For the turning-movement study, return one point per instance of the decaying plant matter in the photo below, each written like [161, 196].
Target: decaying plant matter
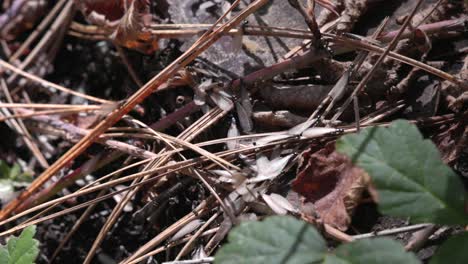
[154, 126]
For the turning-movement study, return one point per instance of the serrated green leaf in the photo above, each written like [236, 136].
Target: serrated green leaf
[378, 251]
[275, 240]
[21, 250]
[410, 177]
[283, 239]
[4, 256]
[453, 251]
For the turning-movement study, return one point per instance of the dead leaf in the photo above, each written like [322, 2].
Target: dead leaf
[131, 32]
[111, 9]
[351, 14]
[126, 22]
[332, 183]
[452, 139]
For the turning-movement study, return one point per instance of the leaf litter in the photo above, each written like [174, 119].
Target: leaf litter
[252, 120]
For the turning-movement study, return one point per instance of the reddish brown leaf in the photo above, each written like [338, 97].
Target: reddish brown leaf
[131, 31]
[125, 21]
[332, 183]
[111, 9]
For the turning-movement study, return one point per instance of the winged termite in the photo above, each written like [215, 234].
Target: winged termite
[340, 87]
[245, 119]
[233, 132]
[269, 169]
[268, 139]
[319, 131]
[187, 229]
[222, 100]
[244, 110]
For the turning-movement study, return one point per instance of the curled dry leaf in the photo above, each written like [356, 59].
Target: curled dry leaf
[454, 93]
[452, 139]
[351, 14]
[126, 22]
[111, 10]
[332, 183]
[131, 31]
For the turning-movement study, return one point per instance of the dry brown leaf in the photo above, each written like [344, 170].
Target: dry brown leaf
[351, 14]
[454, 93]
[131, 31]
[452, 139]
[111, 9]
[332, 183]
[126, 22]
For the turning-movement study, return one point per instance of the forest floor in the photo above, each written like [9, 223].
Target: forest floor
[133, 120]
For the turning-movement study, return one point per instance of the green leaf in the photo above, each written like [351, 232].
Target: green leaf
[283, 239]
[25, 177]
[275, 240]
[14, 173]
[4, 256]
[408, 173]
[378, 250]
[15, 170]
[10, 178]
[453, 251]
[4, 170]
[21, 250]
